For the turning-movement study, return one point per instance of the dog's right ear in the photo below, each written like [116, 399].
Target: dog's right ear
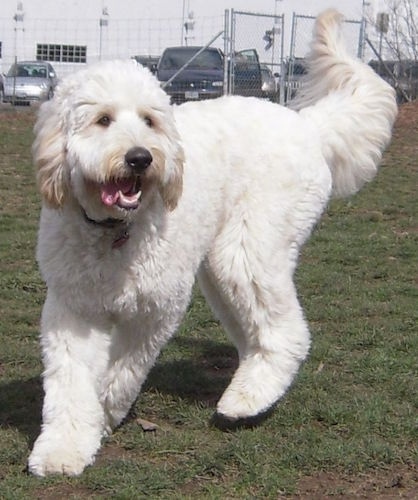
[49, 154]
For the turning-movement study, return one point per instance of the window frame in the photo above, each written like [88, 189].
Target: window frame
[61, 53]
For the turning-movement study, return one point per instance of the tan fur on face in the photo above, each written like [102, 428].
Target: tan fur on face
[170, 190]
[49, 157]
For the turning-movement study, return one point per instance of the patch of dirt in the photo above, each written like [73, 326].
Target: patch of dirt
[400, 481]
[408, 116]
[110, 452]
[405, 131]
[68, 491]
[13, 117]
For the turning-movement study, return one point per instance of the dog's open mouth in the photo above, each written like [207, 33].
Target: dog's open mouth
[124, 193]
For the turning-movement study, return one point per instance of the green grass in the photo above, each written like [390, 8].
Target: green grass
[349, 424]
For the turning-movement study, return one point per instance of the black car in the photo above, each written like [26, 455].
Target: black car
[194, 73]
[188, 75]
[150, 62]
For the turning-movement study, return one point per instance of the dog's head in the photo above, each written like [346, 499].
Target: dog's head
[108, 139]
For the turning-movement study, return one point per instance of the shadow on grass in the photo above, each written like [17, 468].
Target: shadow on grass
[201, 375]
[21, 406]
[198, 377]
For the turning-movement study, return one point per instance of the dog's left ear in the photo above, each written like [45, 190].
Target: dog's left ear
[172, 159]
[172, 188]
[49, 154]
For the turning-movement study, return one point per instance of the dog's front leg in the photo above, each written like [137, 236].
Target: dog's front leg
[134, 349]
[75, 357]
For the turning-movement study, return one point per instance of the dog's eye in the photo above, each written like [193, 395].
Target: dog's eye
[148, 121]
[104, 121]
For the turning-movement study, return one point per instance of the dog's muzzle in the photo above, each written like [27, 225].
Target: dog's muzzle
[126, 192]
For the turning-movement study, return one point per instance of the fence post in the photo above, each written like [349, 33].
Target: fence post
[231, 65]
[227, 42]
[289, 69]
[282, 67]
[362, 39]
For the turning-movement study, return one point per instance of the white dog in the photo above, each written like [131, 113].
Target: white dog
[140, 197]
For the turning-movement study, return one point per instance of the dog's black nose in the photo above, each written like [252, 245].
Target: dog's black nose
[139, 159]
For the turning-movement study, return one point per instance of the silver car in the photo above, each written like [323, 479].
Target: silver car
[268, 83]
[29, 81]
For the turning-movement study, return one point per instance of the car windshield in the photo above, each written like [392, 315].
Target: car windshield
[208, 59]
[299, 69]
[28, 70]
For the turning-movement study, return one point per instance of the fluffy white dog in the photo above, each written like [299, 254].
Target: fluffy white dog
[140, 197]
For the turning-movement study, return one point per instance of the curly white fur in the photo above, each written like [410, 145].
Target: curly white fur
[232, 190]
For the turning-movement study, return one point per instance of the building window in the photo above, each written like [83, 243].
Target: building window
[61, 53]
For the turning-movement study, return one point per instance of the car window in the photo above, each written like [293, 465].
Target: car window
[208, 59]
[299, 69]
[28, 70]
[248, 55]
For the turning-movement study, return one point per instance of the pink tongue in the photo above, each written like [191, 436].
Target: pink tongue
[110, 190]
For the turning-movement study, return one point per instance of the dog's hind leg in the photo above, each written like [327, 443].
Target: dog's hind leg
[256, 301]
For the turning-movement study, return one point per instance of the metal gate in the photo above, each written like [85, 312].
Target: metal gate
[254, 49]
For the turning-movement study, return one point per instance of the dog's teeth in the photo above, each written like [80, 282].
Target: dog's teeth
[128, 197]
[129, 201]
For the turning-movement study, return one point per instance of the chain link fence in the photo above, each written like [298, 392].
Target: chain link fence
[245, 53]
[301, 36]
[70, 43]
[252, 54]
[260, 37]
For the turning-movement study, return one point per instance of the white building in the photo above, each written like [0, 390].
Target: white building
[73, 32]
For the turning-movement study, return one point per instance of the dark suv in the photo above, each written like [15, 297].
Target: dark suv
[201, 79]
[194, 73]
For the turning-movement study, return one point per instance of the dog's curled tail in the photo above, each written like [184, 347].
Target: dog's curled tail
[353, 108]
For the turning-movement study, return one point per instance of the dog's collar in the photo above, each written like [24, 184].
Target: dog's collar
[111, 223]
[106, 223]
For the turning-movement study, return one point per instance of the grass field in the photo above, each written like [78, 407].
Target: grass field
[347, 428]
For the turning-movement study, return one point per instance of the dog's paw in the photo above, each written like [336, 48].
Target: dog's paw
[243, 406]
[59, 457]
[257, 385]
[226, 423]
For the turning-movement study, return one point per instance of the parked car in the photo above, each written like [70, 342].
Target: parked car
[268, 83]
[247, 77]
[202, 78]
[29, 81]
[192, 73]
[150, 62]
[294, 72]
